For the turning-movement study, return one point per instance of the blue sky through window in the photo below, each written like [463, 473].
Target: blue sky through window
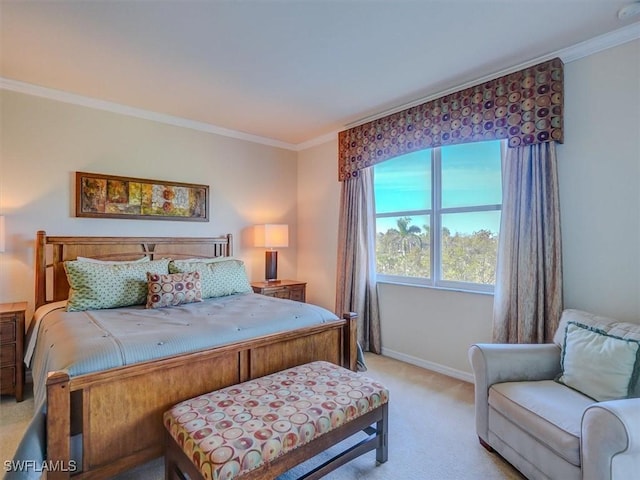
[471, 176]
[404, 183]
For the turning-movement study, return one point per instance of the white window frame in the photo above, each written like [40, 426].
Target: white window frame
[435, 224]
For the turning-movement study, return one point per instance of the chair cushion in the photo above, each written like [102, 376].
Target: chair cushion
[548, 411]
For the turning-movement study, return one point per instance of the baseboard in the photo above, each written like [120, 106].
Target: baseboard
[435, 367]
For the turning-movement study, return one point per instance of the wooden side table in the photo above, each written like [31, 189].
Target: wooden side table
[291, 289]
[12, 349]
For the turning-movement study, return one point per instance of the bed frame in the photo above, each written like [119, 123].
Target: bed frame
[119, 411]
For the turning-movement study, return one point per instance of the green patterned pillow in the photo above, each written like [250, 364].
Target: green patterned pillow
[94, 286]
[229, 278]
[219, 277]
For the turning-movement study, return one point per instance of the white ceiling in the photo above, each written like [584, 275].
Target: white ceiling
[286, 70]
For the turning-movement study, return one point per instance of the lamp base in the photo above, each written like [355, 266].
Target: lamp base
[271, 266]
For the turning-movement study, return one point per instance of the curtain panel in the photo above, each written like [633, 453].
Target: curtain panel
[356, 274]
[525, 107]
[528, 296]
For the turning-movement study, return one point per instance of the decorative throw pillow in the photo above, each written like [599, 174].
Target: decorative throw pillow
[173, 289]
[220, 276]
[94, 286]
[599, 365]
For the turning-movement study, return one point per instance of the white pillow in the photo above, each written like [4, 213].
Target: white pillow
[182, 261]
[144, 259]
[599, 365]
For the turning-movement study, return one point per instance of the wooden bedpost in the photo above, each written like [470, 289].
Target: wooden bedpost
[350, 348]
[41, 268]
[229, 245]
[59, 427]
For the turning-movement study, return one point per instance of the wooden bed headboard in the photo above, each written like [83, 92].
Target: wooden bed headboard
[52, 252]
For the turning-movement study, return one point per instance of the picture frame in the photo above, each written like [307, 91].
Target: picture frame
[111, 196]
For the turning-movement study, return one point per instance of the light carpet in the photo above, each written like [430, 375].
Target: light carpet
[431, 432]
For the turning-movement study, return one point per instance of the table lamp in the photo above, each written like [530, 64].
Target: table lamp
[271, 236]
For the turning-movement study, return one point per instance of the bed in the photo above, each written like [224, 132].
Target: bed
[115, 413]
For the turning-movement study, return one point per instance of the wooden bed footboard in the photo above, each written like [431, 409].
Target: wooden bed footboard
[119, 411]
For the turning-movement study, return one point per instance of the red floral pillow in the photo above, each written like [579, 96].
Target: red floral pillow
[173, 289]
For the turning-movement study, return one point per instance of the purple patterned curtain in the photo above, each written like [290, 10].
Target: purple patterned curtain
[525, 107]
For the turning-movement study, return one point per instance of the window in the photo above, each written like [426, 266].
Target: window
[454, 192]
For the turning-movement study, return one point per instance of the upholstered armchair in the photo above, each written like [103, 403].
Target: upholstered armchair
[566, 410]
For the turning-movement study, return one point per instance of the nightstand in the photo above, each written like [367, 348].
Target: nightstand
[12, 348]
[291, 289]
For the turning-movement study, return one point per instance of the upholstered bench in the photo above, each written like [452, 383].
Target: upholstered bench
[265, 427]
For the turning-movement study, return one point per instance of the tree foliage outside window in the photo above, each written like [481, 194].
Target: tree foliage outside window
[453, 191]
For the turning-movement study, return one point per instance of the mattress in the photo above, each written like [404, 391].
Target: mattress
[95, 340]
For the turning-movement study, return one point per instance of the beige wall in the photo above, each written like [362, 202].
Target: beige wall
[43, 142]
[318, 202]
[599, 168]
[600, 197]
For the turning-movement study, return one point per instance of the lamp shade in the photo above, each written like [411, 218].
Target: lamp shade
[271, 235]
[2, 244]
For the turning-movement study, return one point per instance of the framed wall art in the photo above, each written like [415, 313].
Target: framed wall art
[109, 196]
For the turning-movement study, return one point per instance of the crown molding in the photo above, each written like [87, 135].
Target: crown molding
[317, 141]
[569, 54]
[72, 98]
[600, 43]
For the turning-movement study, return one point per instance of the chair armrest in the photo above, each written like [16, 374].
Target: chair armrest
[497, 363]
[610, 446]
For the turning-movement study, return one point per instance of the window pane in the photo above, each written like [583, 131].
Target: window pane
[469, 246]
[402, 246]
[471, 175]
[403, 183]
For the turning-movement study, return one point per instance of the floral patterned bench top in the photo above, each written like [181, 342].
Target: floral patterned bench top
[231, 431]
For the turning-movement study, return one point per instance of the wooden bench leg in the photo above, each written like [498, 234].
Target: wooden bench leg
[485, 445]
[377, 439]
[177, 466]
[382, 427]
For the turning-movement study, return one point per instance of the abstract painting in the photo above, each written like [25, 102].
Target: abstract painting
[109, 196]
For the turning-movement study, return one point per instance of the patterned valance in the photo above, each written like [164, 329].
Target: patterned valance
[525, 107]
